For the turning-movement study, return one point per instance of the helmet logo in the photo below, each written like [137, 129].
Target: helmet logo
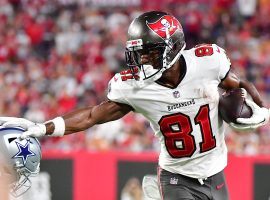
[24, 151]
[165, 22]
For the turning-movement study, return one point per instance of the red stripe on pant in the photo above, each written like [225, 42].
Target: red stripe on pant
[160, 187]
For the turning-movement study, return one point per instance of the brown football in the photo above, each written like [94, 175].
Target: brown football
[232, 105]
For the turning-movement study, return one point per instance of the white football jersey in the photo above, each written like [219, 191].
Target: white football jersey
[185, 118]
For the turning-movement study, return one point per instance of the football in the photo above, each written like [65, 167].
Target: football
[232, 105]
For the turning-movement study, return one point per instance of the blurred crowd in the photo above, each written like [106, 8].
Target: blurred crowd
[57, 56]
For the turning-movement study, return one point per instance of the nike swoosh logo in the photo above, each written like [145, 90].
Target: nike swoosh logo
[220, 186]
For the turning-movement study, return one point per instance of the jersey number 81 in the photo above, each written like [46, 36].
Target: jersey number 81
[177, 128]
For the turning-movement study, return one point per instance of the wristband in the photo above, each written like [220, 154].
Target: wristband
[59, 127]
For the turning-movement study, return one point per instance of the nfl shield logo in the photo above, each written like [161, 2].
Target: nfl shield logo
[176, 94]
[173, 181]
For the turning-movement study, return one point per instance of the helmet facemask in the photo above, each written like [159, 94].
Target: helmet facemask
[23, 182]
[148, 69]
[167, 52]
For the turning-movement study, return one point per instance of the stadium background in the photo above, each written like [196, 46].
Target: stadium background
[57, 55]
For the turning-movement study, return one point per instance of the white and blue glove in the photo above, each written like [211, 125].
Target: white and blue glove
[32, 129]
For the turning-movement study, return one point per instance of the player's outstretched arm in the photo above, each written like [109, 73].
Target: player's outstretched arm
[77, 120]
[85, 118]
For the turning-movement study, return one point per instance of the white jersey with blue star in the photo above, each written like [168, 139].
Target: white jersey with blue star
[185, 118]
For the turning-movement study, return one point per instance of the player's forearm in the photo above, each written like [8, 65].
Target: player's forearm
[85, 118]
[75, 121]
[253, 92]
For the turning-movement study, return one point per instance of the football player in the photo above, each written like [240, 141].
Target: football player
[177, 91]
[19, 160]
